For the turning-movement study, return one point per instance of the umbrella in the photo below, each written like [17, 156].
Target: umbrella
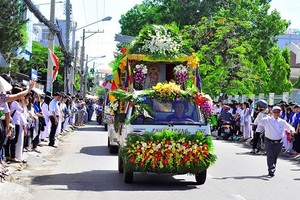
[4, 85]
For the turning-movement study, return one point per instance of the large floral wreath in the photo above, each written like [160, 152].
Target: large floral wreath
[168, 151]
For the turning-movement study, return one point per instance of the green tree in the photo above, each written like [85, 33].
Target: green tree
[279, 75]
[12, 25]
[39, 61]
[183, 12]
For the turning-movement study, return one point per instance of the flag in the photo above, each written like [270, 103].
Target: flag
[129, 77]
[198, 81]
[55, 62]
[106, 85]
[116, 81]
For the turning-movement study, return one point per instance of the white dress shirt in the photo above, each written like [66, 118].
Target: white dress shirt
[259, 128]
[53, 107]
[16, 111]
[274, 128]
[45, 111]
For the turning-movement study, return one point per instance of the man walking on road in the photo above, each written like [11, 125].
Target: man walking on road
[54, 114]
[274, 130]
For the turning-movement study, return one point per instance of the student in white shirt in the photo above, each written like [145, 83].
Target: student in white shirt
[17, 110]
[274, 130]
[54, 115]
[45, 113]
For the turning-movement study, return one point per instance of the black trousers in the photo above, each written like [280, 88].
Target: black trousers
[52, 131]
[2, 134]
[256, 139]
[10, 147]
[273, 150]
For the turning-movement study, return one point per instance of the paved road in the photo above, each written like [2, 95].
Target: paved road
[82, 168]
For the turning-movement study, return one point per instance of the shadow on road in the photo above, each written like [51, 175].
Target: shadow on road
[262, 177]
[90, 128]
[108, 180]
[96, 151]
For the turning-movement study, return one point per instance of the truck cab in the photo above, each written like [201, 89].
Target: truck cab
[179, 115]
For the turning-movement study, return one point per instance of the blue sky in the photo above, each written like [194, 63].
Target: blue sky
[89, 11]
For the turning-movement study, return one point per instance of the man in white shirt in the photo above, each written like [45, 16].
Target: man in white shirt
[53, 116]
[274, 132]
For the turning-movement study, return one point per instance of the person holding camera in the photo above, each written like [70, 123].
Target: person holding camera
[275, 128]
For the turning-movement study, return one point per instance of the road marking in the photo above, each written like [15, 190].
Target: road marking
[239, 197]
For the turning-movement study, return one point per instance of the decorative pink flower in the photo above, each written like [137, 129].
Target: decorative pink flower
[140, 73]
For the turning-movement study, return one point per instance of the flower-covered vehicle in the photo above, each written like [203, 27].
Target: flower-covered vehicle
[166, 131]
[160, 113]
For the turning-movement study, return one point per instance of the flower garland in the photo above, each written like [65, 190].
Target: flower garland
[205, 103]
[140, 73]
[167, 91]
[159, 42]
[181, 74]
[168, 151]
[113, 107]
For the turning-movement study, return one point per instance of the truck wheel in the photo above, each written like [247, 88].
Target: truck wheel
[120, 164]
[128, 177]
[201, 177]
[105, 127]
[113, 149]
[108, 142]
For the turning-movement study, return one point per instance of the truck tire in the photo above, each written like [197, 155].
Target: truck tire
[201, 177]
[120, 164]
[128, 177]
[113, 149]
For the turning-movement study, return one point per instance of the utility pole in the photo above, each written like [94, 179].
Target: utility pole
[74, 68]
[67, 61]
[82, 63]
[51, 47]
[85, 75]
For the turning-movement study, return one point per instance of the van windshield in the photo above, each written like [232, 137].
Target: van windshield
[177, 112]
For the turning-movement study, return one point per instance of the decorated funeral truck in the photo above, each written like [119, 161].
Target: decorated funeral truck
[160, 116]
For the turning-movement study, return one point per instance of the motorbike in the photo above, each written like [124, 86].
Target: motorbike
[99, 115]
[226, 130]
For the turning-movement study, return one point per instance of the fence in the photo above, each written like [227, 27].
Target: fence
[271, 98]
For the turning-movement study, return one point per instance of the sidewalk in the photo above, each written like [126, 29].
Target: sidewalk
[12, 188]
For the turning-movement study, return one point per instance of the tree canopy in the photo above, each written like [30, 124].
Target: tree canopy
[12, 27]
[235, 41]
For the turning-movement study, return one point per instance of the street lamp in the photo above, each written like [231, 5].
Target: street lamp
[41, 4]
[74, 29]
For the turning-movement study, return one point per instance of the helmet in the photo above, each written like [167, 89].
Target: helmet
[225, 107]
[262, 103]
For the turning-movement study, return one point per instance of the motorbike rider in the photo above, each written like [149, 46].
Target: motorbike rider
[225, 116]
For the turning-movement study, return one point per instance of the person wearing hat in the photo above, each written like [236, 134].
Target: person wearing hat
[53, 116]
[275, 128]
[5, 87]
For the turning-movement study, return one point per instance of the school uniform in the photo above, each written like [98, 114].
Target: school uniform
[45, 112]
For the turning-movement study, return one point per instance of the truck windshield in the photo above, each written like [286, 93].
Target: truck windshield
[177, 112]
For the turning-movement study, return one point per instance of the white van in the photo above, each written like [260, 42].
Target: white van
[165, 115]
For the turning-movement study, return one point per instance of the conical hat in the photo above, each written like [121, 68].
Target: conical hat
[4, 85]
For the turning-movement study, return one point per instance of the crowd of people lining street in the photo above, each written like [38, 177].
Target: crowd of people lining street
[270, 129]
[29, 118]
